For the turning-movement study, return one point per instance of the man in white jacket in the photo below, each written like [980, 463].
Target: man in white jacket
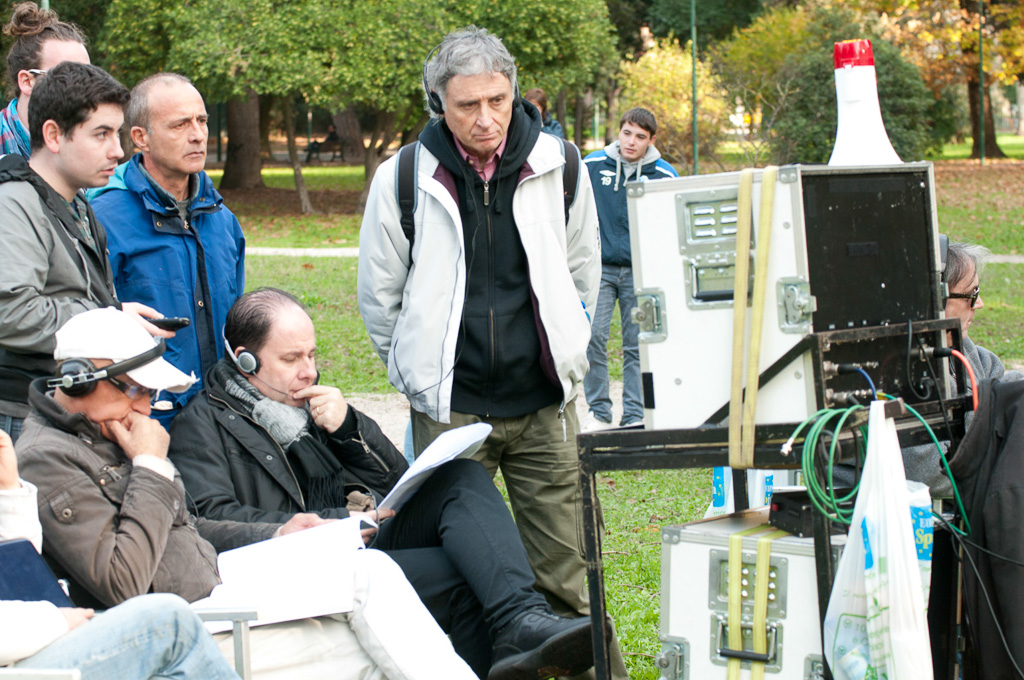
[147, 636]
[481, 314]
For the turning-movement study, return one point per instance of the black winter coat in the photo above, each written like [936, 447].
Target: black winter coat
[989, 470]
[233, 469]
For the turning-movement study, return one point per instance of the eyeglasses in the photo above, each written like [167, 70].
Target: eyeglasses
[132, 391]
[972, 296]
[35, 72]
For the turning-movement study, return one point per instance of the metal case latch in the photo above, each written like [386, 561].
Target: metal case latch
[796, 304]
[648, 315]
[673, 660]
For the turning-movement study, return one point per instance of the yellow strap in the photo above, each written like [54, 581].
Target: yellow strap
[739, 317]
[735, 611]
[764, 232]
[760, 633]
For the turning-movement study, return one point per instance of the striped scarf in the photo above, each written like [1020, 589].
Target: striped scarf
[13, 135]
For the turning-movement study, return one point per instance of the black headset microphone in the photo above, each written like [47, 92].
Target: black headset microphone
[77, 377]
[249, 364]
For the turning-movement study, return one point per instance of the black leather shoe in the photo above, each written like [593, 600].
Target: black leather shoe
[537, 645]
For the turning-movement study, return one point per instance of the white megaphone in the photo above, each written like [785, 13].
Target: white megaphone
[860, 135]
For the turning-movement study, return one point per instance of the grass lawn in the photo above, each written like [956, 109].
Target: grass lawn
[317, 177]
[1012, 146]
[980, 204]
[999, 325]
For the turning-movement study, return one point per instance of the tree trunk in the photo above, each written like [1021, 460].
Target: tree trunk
[580, 122]
[992, 149]
[243, 164]
[293, 155]
[266, 104]
[560, 109]
[350, 135]
[381, 136]
[969, 46]
[1020, 109]
[611, 130]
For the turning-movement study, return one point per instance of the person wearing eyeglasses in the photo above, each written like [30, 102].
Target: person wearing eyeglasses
[964, 265]
[117, 525]
[41, 41]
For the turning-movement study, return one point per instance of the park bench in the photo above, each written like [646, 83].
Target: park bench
[332, 145]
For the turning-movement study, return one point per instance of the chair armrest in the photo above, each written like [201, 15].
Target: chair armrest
[240, 619]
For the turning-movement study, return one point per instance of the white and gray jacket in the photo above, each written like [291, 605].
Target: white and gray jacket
[413, 313]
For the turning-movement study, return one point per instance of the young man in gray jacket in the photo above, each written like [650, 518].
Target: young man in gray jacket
[53, 263]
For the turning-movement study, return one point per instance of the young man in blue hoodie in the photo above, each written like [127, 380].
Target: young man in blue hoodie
[632, 157]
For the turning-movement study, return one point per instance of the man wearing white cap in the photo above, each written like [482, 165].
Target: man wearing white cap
[115, 519]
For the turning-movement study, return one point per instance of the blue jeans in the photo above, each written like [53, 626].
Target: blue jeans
[11, 426]
[616, 285]
[151, 635]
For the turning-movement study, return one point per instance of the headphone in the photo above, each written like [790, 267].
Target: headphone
[943, 252]
[434, 102]
[246, 361]
[78, 377]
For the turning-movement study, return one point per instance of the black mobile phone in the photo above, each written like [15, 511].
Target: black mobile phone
[170, 323]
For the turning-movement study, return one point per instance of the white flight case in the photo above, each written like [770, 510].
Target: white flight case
[694, 600]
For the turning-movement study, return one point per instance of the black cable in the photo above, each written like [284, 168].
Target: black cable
[953, 443]
[910, 377]
[988, 600]
[984, 591]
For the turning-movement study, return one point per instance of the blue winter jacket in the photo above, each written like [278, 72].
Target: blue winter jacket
[608, 175]
[195, 270]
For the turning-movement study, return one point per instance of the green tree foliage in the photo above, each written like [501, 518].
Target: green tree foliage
[147, 21]
[805, 132]
[661, 81]
[89, 15]
[349, 53]
[941, 38]
[715, 20]
[628, 16]
[547, 54]
[756, 68]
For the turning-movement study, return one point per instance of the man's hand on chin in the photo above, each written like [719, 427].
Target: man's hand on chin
[137, 434]
[326, 404]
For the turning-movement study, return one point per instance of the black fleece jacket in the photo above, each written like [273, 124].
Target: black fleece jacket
[498, 369]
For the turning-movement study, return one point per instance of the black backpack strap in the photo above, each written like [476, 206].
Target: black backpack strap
[406, 189]
[570, 174]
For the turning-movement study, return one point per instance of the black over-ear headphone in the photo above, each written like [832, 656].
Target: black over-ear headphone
[434, 102]
[78, 377]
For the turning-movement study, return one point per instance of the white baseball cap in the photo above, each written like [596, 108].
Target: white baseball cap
[109, 333]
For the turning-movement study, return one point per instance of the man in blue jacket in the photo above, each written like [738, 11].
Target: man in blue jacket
[173, 244]
[630, 158]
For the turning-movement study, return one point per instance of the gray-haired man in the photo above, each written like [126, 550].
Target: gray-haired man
[483, 314]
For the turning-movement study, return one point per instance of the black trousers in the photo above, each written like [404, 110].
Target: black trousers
[458, 546]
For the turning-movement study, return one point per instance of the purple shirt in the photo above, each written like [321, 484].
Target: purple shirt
[487, 171]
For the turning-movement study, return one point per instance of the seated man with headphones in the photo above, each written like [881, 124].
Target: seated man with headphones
[115, 517]
[264, 441]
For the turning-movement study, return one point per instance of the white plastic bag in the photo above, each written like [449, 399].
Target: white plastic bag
[876, 625]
